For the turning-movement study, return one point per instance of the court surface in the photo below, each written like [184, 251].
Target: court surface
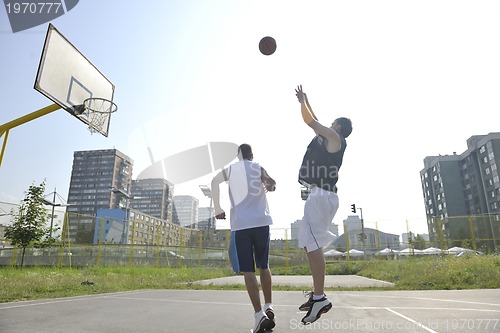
[209, 311]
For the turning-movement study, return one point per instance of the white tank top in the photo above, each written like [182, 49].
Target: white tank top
[249, 208]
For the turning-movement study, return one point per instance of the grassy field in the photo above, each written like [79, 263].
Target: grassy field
[469, 272]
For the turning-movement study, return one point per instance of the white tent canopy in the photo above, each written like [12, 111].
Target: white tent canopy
[333, 253]
[408, 252]
[354, 253]
[387, 251]
[433, 250]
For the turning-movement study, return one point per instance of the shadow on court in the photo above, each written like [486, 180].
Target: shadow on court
[209, 311]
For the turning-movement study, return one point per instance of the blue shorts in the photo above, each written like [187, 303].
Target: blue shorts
[249, 248]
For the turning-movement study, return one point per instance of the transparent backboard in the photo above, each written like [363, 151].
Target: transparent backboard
[68, 78]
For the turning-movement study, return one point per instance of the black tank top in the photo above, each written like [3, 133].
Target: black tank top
[320, 167]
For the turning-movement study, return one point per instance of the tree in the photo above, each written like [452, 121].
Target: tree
[29, 227]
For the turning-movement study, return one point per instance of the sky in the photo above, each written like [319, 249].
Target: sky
[417, 79]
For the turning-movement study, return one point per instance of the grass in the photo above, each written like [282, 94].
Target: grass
[426, 273]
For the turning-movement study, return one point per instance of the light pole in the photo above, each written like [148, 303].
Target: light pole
[127, 196]
[208, 193]
[54, 205]
[363, 236]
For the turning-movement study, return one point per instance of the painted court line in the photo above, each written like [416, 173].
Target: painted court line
[426, 299]
[420, 325]
[58, 300]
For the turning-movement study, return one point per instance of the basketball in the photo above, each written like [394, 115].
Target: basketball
[267, 45]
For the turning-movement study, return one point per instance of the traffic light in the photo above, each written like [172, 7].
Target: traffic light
[360, 237]
[353, 208]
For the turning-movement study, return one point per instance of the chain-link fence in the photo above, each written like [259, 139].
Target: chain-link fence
[141, 240]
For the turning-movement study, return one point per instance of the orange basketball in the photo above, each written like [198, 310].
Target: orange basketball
[267, 45]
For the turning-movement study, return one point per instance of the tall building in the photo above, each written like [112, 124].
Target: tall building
[206, 215]
[185, 211]
[99, 179]
[462, 193]
[153, 197]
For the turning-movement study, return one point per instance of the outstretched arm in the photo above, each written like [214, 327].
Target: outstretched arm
[310, 119]
[307, 113]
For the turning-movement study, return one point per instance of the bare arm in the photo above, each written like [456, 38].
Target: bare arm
[269, 183]
[334, 142]
[219, 178]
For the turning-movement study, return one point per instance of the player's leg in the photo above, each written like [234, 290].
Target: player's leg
[244, 247]
[261, 243]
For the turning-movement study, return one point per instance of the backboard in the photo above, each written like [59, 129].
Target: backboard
[68, 78]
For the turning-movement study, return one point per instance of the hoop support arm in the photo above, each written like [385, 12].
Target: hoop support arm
[4, 129]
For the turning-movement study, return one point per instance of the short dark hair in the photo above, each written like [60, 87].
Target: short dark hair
[246, 151]
[345, 126]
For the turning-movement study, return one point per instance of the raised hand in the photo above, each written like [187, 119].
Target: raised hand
[301, 96]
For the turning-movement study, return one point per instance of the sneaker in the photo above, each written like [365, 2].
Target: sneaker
[316, 310]
[270, 313]
[307, 305]
[262, 324]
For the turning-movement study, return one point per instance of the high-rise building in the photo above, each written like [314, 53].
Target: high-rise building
[99, 179]
[185, 211]
[153, 197]
[462, 193]
[206, 217]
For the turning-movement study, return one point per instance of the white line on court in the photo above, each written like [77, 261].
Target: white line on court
[295, 305]
[420, 325]
[60, 300]
[423, 299]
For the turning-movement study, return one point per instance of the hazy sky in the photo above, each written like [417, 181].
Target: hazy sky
[417, 78]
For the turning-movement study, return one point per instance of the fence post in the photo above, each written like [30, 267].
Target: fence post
[200, 243]
[181, 240]
[286, 251]
[472, 234]
[131, 245]
[440, 234]
[346, 237]
[99, 235]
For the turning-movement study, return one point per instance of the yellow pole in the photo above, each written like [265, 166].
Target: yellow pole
[99, 235]
[132, 240]
[200, 242]
[286, 251]
[181, 235]
[4, 144]
[472, 234]
[24, 119]
[346, 237]
[378, 236]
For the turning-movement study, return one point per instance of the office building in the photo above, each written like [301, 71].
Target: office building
[153, 197]
[206, 218]
[99, 179]
[185, 212]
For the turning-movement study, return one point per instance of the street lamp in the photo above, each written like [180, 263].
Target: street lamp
[363, 236]
[54, 205]
[208, 193]
[127, 196]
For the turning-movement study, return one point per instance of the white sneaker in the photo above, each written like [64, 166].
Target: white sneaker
[262, 323]
[317, 309]
[270, 314]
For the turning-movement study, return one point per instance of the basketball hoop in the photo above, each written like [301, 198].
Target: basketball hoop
[98, 112]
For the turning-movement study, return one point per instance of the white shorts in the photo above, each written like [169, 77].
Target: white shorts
[319, 210]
